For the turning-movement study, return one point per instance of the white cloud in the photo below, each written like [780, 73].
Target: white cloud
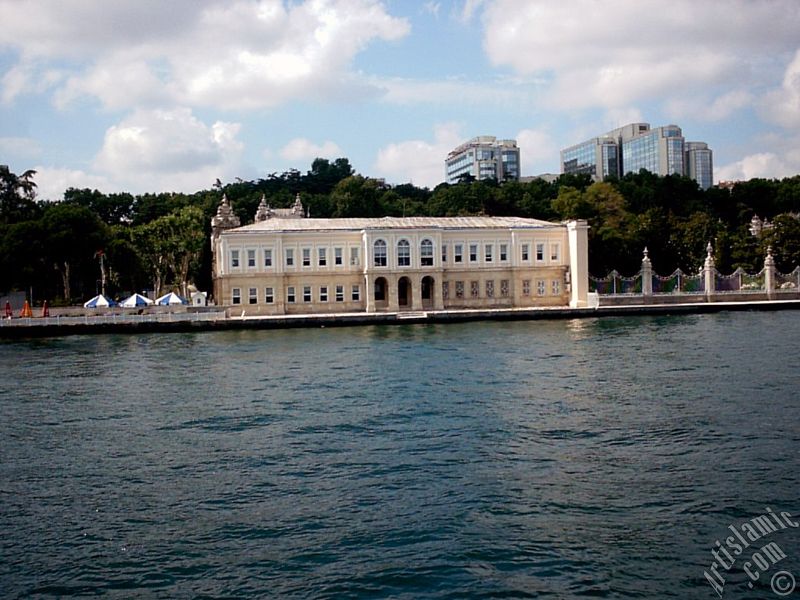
[168, 150]
[538, 152]
[301, 149]
[419, 161]
[22, 148]
[700, 106]
[765, 164]
[231, 55]
[782, 106]
[432, 8]
[51, 183]
[446, 92]
[614, 53]
[470, 9]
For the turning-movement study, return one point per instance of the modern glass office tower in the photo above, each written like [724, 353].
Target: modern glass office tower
[700, 164]
[484, 157]
[597, 157]
[662, 150]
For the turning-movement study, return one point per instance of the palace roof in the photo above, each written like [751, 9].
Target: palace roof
[280, 225]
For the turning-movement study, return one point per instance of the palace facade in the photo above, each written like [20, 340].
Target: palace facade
[286, 263]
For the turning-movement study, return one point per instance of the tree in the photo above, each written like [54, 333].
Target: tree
[356, 196]
[73, 236]
[784, 237]
[172, 245]
[17, 194]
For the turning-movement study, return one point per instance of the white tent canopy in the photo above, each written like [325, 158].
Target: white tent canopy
[171, 298]
[99, 301]
[136, 300]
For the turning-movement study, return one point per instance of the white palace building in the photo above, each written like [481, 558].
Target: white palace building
[286, 263]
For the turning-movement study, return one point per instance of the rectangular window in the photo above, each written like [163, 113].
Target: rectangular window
[252, 296]
[555, 287]
[490, 289]
[539, 252]
[356, 293]
[554, 251]
[290, 295]
[458, 250]
[251, 258]
[340, 293]
[289, 257]
[487, 251]
[306, 257]
[269, 295]
[337, 256]
[504, 288]
[525, 252]
[323, 293]
[526, 287]
[268, 257]
[234, 259]
[444, 253]
[540, 287]
[379, 251]
[322, 256]
[306, 293]
[353, 257]
[459, 289]
[236, 296]
[403, 254]
[445, 290]
[475, 289]
[473, 253]
[503, 252]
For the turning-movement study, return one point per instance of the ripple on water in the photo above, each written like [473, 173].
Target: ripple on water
[597, 457]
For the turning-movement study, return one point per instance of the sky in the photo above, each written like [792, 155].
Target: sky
[153, 96]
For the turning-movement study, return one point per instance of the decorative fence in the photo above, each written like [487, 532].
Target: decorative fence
[707, 281]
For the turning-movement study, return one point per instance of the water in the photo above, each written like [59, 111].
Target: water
[598, 457]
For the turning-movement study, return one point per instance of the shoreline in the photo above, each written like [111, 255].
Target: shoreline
[181, 323]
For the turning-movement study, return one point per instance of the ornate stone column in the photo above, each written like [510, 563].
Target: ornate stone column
[769, 273]
[647, 274]
[709, 270]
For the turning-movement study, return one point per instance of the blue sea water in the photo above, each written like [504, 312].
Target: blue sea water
[562, 459]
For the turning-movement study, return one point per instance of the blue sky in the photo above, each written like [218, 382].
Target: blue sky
[150, 96]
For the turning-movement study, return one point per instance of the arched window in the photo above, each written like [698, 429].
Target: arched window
[426, 253]
[379, 253]
[403, 253]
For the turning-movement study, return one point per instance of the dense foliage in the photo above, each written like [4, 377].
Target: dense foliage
[161, 241]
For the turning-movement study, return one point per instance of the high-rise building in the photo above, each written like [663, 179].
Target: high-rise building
[700, 164]
[662, 150]
[483, 157]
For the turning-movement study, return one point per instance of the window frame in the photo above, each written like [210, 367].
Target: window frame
[426, 253]
[403, 253]
[380, 259]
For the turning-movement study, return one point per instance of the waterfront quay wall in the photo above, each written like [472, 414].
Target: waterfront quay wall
[218, 320]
